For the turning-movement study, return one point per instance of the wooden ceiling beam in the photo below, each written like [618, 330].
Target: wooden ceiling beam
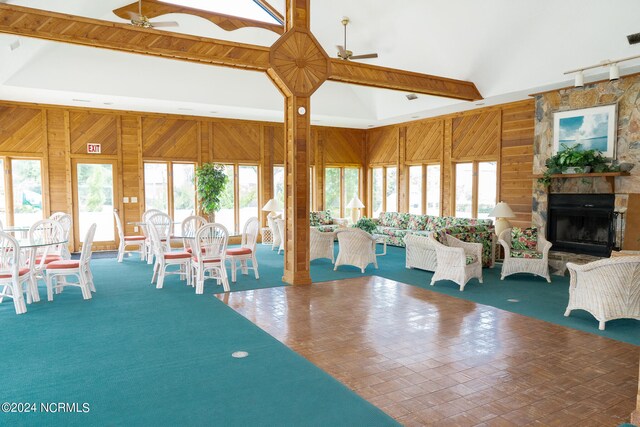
[79, 30]
[154, 8]
[407, 81]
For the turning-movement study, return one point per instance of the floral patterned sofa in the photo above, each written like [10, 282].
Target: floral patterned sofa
[324, 222]
[396, 226]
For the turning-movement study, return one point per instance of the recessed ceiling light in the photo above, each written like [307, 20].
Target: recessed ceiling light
[108, 103]
[412, 96]
[14, 44]
[415, 117]
[479, 103]
[80, 100]
[370, 126]
[213, 112]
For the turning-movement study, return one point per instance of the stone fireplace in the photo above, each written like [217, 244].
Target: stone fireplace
[564, 191]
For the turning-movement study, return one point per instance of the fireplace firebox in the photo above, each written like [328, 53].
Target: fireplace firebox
[582, 223]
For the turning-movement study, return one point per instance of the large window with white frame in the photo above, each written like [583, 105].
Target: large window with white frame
[384, 189]
[476, 189]
[424, 189]
[239, 199]
[341, 184]
[170, 188]
[21, 196]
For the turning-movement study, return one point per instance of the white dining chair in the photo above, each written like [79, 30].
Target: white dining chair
[129, 241]
[189, 226]
[164, 257]
[143, 227]
[209, 252]
[15, 275]
[49, 233]
[76, 268]
[66, 222]
[247, 250]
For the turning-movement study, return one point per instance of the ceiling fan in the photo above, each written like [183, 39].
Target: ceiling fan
[347, 55]
[139, 20]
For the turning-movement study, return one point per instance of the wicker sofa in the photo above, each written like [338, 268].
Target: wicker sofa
[411, 231]
[323, 221]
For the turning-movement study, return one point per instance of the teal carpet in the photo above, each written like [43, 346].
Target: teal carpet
[141, 356]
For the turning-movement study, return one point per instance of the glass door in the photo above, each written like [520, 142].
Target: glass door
[94, 201]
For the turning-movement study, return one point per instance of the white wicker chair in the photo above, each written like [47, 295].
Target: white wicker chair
[321, 245]
[608, 289]
[457, 261]
[420, 253]
[247, 250]
[66, 222]
[131, 241]
[537, 266]
[356, 247]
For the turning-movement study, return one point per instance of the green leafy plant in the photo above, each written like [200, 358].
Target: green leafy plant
[574, 156]
[211, 181]
[366, 224]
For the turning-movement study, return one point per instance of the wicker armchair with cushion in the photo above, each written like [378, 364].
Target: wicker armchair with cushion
[457, 261]
[608, 289]
[356, 247]
[321, 245]
[525, 251]
[325, 222]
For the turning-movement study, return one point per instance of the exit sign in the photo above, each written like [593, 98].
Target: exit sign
[93, 148]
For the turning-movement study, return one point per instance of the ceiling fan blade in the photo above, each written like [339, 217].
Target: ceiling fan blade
[341, 51]
[367, 56]
[132, 15]
[164, 24]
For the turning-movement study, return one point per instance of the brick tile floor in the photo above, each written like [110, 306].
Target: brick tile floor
[430, 359]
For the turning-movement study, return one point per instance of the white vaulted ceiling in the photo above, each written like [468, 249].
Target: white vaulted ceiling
[508, 48]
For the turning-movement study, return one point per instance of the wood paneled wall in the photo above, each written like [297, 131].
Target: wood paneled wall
[58, 135]
[502, 133]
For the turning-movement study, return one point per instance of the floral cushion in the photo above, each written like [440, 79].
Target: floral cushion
[476, 234]
[417, 222]
[525, 253]
[394, 219]
[471, 259]
[524, 238]
[320, 218]
[327, 228]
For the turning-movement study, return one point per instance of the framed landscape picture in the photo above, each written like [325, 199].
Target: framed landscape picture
[589, 128]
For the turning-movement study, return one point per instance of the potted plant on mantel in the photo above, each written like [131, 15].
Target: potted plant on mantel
[573, 160]
[211, 181]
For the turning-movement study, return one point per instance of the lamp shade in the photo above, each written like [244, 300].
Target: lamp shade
[502, 210]
[271, 206]
[355, 203]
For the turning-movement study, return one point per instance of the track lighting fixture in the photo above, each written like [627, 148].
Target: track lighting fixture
[579, 79]
[614, 72]
[614, 69]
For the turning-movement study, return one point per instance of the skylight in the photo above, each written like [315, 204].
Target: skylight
[242, 8]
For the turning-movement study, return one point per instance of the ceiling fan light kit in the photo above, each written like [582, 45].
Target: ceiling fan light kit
[139, 20]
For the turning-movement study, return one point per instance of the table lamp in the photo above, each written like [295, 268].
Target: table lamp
[501, 212]
[272, 206]
[355, 205]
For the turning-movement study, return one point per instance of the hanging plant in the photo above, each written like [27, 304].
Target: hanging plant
[211, 180]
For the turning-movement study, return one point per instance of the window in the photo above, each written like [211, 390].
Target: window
[278, 185]
[464, 190]
[170, 188]
[332, 191]
[94, 183]
[433, 190]
[3, 194]
[226, 215]
[184, 190]
[392, 190]
[377, 188]
[424, 176]
[156, 187]
[415, 189]
[487, 188]
[340, 186]
[26, 183]
[239, 200]
[475, 189]
[247, 194]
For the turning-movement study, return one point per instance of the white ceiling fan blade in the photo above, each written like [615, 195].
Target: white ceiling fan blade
[164, 24]
[366, 56]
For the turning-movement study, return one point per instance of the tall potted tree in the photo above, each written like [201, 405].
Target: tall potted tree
[211, 180]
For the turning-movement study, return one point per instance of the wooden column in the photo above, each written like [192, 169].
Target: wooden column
[298, 66]
[266, 170]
